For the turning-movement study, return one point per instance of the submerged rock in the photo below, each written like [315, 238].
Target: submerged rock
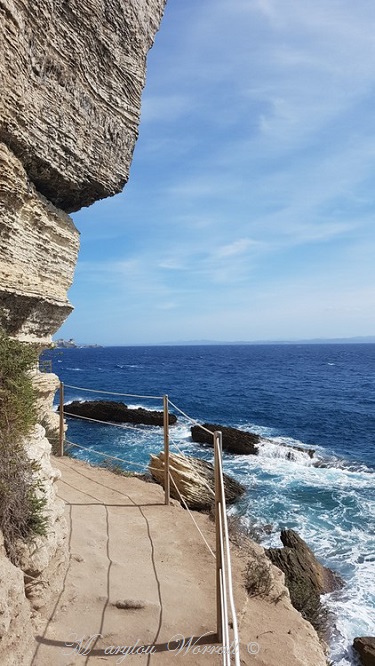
[116, 412]
[365, 646]
[195, 480]
[305, 577]
[234, 441]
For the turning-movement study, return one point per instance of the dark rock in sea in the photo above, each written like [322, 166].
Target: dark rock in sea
[239, 441]
[365, 646]
[234, 441]
[305, 577]
[195, 480]
[116, 412]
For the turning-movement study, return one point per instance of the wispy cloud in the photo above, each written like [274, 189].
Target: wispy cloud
[251, 189]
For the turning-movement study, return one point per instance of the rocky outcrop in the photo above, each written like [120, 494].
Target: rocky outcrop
[16, 631]
[365, 646]
[305, 577]
[240, 441]
[46, 385]
[71, 77]
[39, 247]
[234, 441]
[116, 412]
[194, 479]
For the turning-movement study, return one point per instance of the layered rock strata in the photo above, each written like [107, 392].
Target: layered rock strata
[193, 480]
[305, 577]
[71, 78]
[39, 248]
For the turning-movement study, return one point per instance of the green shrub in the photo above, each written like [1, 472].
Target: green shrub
[22, 499]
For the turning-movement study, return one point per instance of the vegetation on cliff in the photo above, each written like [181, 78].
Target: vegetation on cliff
[21, 496]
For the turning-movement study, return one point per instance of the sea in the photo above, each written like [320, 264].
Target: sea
[320, 396]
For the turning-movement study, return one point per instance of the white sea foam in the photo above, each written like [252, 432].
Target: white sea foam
[332, 509]
[281, 450]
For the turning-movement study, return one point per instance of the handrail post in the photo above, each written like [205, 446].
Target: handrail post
[61, 430]
[219, 563]
[166, 450]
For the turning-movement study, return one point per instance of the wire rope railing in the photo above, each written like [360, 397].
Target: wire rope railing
[124, 395]
[225, 605]
[107, 423]
[107, 456]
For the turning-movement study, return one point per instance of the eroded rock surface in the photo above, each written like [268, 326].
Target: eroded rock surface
[71, 77]
[194, 479]
[305, 577]
[16, 635]
[365, 646]
[39, 248]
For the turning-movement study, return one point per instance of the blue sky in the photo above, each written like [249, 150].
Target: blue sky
[249, 212]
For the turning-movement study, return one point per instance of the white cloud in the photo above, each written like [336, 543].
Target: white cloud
[237, 247]
[251, 190]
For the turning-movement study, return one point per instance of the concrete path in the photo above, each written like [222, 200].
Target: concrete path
[139, 575]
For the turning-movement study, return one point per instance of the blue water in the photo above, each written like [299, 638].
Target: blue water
[322, 396]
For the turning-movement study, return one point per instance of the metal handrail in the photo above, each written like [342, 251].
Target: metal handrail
[224, 580]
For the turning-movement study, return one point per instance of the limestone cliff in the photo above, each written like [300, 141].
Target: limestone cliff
[71, 78]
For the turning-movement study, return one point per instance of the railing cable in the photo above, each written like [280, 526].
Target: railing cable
[192, 517]
[126, 395]
[201, 478]
[108, 423]
[107, 456]
[190, 418]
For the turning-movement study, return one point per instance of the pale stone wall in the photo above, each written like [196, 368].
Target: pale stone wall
[71, 78]
[39, 248]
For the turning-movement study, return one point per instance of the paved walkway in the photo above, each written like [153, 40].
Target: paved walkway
[139, 574]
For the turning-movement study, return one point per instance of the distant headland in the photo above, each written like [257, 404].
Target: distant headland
[70, 344]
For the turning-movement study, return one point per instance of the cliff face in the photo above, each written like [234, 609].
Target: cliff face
[39, 246]
[71, 78]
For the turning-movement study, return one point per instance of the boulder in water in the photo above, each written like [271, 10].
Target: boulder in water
[365, 646]
[116, 412]
[240, 441]
[195, 480]
[234, 441]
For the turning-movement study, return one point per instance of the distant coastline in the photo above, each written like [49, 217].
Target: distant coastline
[71, 344]
[370, 339]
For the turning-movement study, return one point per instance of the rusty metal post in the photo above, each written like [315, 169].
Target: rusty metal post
[219, 564]
[166, 450]
[61, 430]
